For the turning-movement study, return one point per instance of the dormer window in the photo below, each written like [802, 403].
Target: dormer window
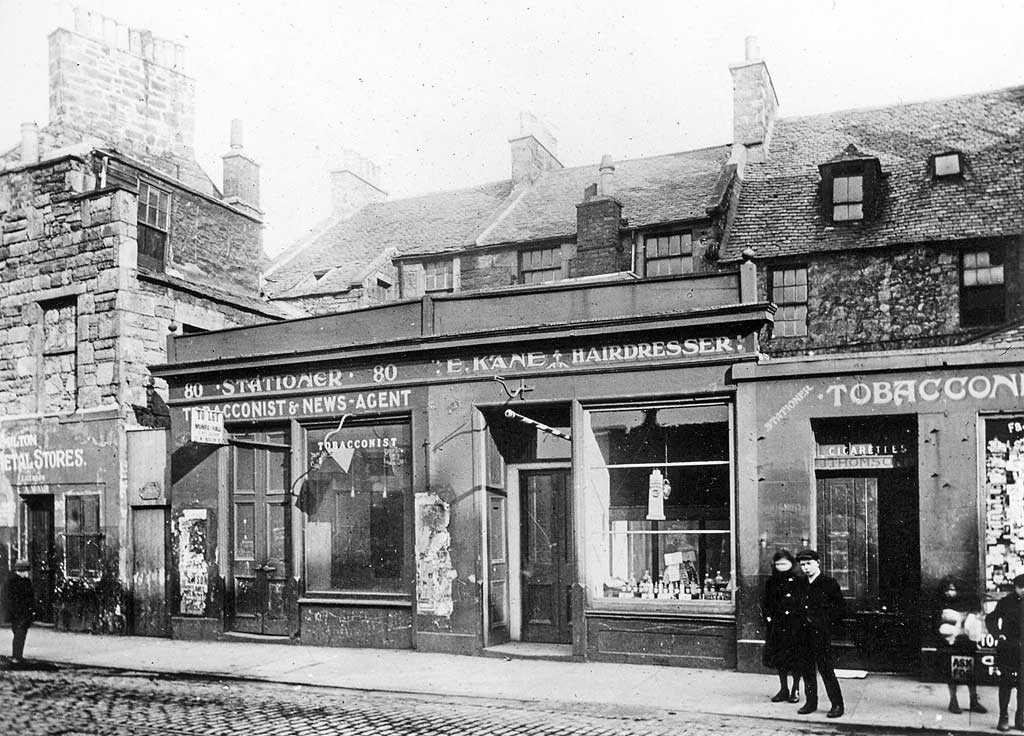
[848, 198]
[668, 254]
[948, 165]
[850, 186]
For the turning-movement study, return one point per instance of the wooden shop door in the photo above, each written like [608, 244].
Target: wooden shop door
[37, 547]
[261, 537]
[547, 555]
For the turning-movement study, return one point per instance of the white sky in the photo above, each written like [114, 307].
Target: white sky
[431, 91]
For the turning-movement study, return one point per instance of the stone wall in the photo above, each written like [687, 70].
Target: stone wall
[877, 300]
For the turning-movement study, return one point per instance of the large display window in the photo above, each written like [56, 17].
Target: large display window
[1004, 502]
[659, 503]
[357, 501]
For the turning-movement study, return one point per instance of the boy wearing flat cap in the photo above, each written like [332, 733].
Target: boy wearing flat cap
[822, 608]
[1004, 624]
[20, 607]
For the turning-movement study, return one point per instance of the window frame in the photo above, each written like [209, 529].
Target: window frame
[933, 165]
[153, 233]
[702, 606]
[988, 314]
[785, 307]
[405, 589]
[83, 538]
[448, 271]
[556, 266]
[47, 351]
[844, 198]
[684, 256]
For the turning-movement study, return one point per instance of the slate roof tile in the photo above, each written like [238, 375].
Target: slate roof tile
[778, 212]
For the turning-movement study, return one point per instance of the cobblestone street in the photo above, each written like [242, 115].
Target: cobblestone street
[97, 702]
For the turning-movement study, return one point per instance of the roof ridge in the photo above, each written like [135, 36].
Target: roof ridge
[910, 103]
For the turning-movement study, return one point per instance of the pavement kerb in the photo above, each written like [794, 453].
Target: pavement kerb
[320, 669]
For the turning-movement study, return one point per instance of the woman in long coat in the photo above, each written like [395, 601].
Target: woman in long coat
[782, 626]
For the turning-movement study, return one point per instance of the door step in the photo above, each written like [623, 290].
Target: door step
[257, 638]
[530, 650]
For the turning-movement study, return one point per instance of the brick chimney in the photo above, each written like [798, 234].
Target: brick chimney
[122, 85]
[355, 183]
[241, 174]
[534, 151]
[598, 228]
[754, 104]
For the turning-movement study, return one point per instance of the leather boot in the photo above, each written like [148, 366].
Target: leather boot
[781, 696]
[794, 697]
[954, 706]
[976, 706]
[1004, 722]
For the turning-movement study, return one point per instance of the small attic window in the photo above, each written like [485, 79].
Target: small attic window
[851, 187]
[948, 164]
[319, 274]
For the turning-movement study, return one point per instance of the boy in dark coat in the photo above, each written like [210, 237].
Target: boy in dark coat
[1004, 624]
[20, 607]
[822, 607]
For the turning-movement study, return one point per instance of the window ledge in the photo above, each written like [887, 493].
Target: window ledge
[725, 610]
[401, 601]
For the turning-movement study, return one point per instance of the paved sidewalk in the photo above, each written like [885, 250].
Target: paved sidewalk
[877, 700]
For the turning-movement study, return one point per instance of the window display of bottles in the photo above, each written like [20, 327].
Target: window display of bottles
[674, 585]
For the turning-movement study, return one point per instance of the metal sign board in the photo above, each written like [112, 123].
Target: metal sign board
[207, 426]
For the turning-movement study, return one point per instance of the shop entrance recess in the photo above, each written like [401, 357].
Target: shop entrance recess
[37, 547]
[869, 539]
[260, 534]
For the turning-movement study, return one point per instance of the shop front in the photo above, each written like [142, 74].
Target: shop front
[901, 470]
[571, 485]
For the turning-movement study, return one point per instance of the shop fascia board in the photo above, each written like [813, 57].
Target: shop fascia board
[746, 317]
[925, 359]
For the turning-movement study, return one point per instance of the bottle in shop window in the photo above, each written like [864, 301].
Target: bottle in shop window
[646, 590]
[675, 590]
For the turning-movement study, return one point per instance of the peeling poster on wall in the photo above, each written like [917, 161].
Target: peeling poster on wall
[193, 577]
[434, 571]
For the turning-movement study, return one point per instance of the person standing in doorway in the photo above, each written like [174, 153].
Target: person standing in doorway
[1004, 624]
[782, 625]
[821, 608]
[20, 607]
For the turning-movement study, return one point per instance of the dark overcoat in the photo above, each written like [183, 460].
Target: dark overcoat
[781, 616]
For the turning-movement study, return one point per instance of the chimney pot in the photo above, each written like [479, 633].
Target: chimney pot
[29, 143]
[236, 134]
[753, 53]
[607, 170]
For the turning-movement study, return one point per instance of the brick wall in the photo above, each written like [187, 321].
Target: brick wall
[598, 238]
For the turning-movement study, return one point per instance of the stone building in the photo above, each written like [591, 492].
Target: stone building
[113, 238]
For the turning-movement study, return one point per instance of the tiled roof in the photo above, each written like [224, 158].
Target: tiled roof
[778, 211]
[669, 188]
[445, 221]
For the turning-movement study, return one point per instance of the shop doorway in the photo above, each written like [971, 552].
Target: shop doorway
[868, 535]
[546, 556]
[37, 546]
[260, 535]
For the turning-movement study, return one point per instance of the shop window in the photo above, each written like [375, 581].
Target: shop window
[357, 500]
[659, 503]
[982, 291]
[82, 538]
[668, 255]
[1004, 502]
[154, 206]
[540, 266]
[789, 292]
[60, 356]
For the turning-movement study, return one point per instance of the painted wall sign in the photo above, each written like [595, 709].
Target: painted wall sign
[42, 453]
[365, 402]
[328, 382]
[980, 386]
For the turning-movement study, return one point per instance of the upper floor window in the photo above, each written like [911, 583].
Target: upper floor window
[947, 164]
[789, 292]
[60, 356]
[154, 206]
[851, 186]
[982, 291]
[668, 255]
[540, 266]
[848, 198]
[438, 277]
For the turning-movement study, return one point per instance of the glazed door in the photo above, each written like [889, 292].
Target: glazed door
[862, 520]
[497, 551]
[261, 541]
[37, 543]
[547, 555]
